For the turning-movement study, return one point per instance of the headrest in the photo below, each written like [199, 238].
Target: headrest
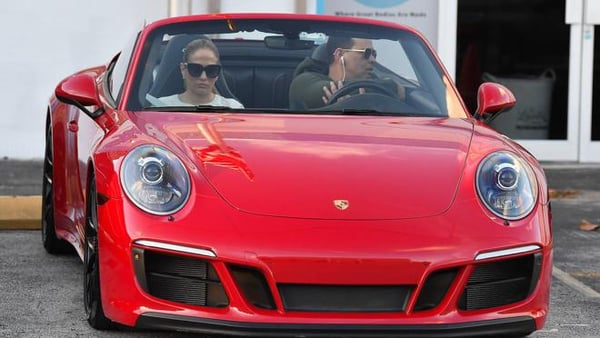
[320, 54]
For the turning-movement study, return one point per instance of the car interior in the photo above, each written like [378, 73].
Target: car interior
[259, 76]
[254, 75]
[258, 70]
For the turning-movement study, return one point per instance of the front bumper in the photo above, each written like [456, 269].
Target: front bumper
[490, 328]
[256, 306]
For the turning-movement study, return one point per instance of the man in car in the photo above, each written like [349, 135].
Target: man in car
[316, 80]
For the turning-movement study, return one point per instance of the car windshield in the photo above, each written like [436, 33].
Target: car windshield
[276, 65]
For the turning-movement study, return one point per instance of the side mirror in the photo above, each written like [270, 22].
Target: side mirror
[493, 98]
[80, 91]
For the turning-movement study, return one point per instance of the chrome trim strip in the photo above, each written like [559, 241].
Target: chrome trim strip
[507, 252]
[175, 247]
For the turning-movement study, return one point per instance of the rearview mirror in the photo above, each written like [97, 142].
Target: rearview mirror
[282, 42]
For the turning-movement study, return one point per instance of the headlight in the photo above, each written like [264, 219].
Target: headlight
[155, 180]
[506, 185]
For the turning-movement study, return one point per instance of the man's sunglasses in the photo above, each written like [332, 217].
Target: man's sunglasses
[196, 70]
[367, 52]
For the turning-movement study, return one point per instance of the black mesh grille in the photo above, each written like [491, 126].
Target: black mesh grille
[254, 286]
[435, 288]
[179, 279]
[343, 298]
[176, 265]
[501, 282]
[177, 289]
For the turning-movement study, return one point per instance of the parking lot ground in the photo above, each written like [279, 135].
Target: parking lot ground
[41, 295]
[576, 252]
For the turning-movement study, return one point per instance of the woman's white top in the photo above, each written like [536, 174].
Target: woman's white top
[219, 100]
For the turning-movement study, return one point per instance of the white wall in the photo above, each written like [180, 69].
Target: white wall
[45, 41]
[269, 6]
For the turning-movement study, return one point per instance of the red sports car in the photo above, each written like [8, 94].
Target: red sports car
[208, 186]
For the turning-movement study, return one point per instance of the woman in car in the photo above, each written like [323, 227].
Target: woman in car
[200, 69]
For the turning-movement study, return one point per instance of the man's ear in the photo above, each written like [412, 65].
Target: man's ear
[338, 55]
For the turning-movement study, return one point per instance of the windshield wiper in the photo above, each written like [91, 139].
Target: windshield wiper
[368, 112]
[205, 107]
[357, 112]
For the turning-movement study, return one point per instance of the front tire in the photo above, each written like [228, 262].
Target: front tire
[92, 296]
[52, 243]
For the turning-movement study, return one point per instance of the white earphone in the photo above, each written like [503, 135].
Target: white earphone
[343, 68]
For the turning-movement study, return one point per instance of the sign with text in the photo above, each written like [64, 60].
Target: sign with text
[420, 14]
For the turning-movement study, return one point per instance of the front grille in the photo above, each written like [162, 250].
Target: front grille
[179, 279]
[344, 298]
[501, 282]
[435, 288]
[254, 286]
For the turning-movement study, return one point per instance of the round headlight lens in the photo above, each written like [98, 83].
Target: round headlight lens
[155, 180]
[506, 185]
[152, 170]
[507, 176]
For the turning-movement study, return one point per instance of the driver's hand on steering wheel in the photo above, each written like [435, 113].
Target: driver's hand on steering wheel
[334, 87]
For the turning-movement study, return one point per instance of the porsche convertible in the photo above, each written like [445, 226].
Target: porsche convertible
[388, 210]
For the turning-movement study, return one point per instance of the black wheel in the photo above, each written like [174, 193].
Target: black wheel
[52, 244]
[92, 297]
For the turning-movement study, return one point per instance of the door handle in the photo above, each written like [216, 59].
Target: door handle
[73, 126]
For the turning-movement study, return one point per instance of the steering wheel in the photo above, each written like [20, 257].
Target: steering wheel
[373, 85]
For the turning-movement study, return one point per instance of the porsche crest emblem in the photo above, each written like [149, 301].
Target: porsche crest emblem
[341, 204]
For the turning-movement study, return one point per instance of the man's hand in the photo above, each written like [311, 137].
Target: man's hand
[334, 87]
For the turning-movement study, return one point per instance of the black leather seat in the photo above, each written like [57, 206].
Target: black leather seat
[321, 55]
[317, 62]
[258, 75]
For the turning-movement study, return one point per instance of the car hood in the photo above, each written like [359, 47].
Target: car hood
[324, 167]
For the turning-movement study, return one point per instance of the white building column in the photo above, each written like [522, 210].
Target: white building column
[446, 34]
[180, 7]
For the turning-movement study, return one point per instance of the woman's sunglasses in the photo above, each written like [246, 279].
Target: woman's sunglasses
[367, 52]
[196, 70]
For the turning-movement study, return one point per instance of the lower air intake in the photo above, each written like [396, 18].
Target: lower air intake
[342, 298]
[501, 282]
[179, 279]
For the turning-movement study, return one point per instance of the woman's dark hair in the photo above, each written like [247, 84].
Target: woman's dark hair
[199, 44]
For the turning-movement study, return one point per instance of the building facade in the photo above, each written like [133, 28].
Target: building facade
[544, 50]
